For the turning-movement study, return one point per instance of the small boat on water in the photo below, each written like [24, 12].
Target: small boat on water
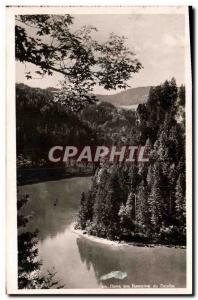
[56, 202]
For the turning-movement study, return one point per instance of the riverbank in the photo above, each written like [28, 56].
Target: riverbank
[96, 239]
[43, 175]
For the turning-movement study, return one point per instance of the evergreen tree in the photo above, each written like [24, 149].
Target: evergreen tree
[127, 214]
[180, 203]
[182, 95]
[155, 197]
[146, 202]
[30, 275]
[142, 208]
[83, 212]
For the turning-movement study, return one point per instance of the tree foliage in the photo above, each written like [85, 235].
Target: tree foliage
[50, 43]
[147, 202]
[37, 133]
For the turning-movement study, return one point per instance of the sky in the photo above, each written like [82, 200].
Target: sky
[158, 41]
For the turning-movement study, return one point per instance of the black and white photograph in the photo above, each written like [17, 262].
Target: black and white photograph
[99, 137]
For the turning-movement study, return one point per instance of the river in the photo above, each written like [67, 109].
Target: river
[79, 261]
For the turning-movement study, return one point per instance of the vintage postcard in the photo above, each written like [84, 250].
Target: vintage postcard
[99, 150]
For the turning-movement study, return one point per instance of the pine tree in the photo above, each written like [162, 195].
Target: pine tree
[155, 209]
[147, 199]
[83, 212]
[182, 95]
[142, 209]
[155, 200]
[180, 203]
[174, 91]
[127, 214]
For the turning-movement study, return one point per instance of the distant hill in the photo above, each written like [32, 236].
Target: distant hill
[52, 89]
[129, 97]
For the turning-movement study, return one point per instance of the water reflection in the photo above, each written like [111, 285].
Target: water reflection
[80, 262]
[97, 256]
[146, 266]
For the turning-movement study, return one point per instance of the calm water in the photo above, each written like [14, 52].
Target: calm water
[80, 262]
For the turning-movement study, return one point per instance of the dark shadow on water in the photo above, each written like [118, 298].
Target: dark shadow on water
[144, 266]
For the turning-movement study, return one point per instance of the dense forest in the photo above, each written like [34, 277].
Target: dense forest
[141, 202]
[97, 124]
[43, 123]
[144, 202]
